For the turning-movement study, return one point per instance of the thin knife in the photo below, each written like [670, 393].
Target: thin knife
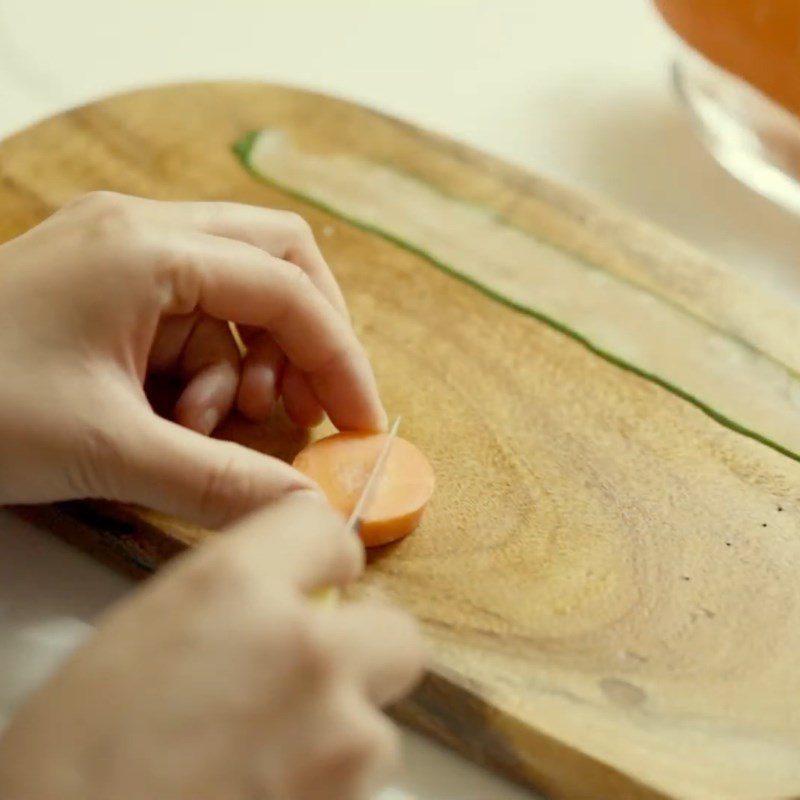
[353, 524]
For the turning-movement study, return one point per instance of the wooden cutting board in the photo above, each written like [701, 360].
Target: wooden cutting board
[609, 574]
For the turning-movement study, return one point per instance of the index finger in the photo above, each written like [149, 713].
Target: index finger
[235, 281]
[280, 233]
[283, 234]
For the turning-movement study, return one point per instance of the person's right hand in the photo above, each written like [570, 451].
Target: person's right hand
[220, 681]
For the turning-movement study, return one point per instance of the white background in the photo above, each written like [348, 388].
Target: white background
[574, 89]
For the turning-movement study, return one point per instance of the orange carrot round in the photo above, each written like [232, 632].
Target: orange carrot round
[341, 465]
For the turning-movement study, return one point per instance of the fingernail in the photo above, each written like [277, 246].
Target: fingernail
[218, 379]
[210, 421]
[258, 392]
[266, 380]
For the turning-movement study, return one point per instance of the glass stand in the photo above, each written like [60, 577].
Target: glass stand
[753, 137]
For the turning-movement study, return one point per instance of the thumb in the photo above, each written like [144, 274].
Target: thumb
[176, 471]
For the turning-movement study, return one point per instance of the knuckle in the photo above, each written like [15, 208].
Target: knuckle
[99, 198]
[298, 226]
[298, 280]
[293, 287]
[177, 269]
[111, 213]
[173, 260]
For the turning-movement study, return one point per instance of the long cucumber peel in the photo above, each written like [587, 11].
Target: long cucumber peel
[724, 376]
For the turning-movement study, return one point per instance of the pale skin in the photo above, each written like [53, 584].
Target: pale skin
[219, 679]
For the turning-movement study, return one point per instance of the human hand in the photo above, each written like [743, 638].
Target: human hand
[220, 681]
[111, 288]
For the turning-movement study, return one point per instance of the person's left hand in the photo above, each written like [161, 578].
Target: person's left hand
[112, 288]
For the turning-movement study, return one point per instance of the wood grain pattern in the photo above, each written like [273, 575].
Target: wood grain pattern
[639, 329]
[607, 577]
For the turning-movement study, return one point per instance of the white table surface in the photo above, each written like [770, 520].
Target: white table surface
[574, 89]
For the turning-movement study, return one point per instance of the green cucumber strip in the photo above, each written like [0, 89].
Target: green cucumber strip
[623, 323]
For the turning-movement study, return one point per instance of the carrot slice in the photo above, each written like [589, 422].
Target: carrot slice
[341, 465]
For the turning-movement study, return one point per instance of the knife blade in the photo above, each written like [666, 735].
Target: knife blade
[330, 595]
[373, 481]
